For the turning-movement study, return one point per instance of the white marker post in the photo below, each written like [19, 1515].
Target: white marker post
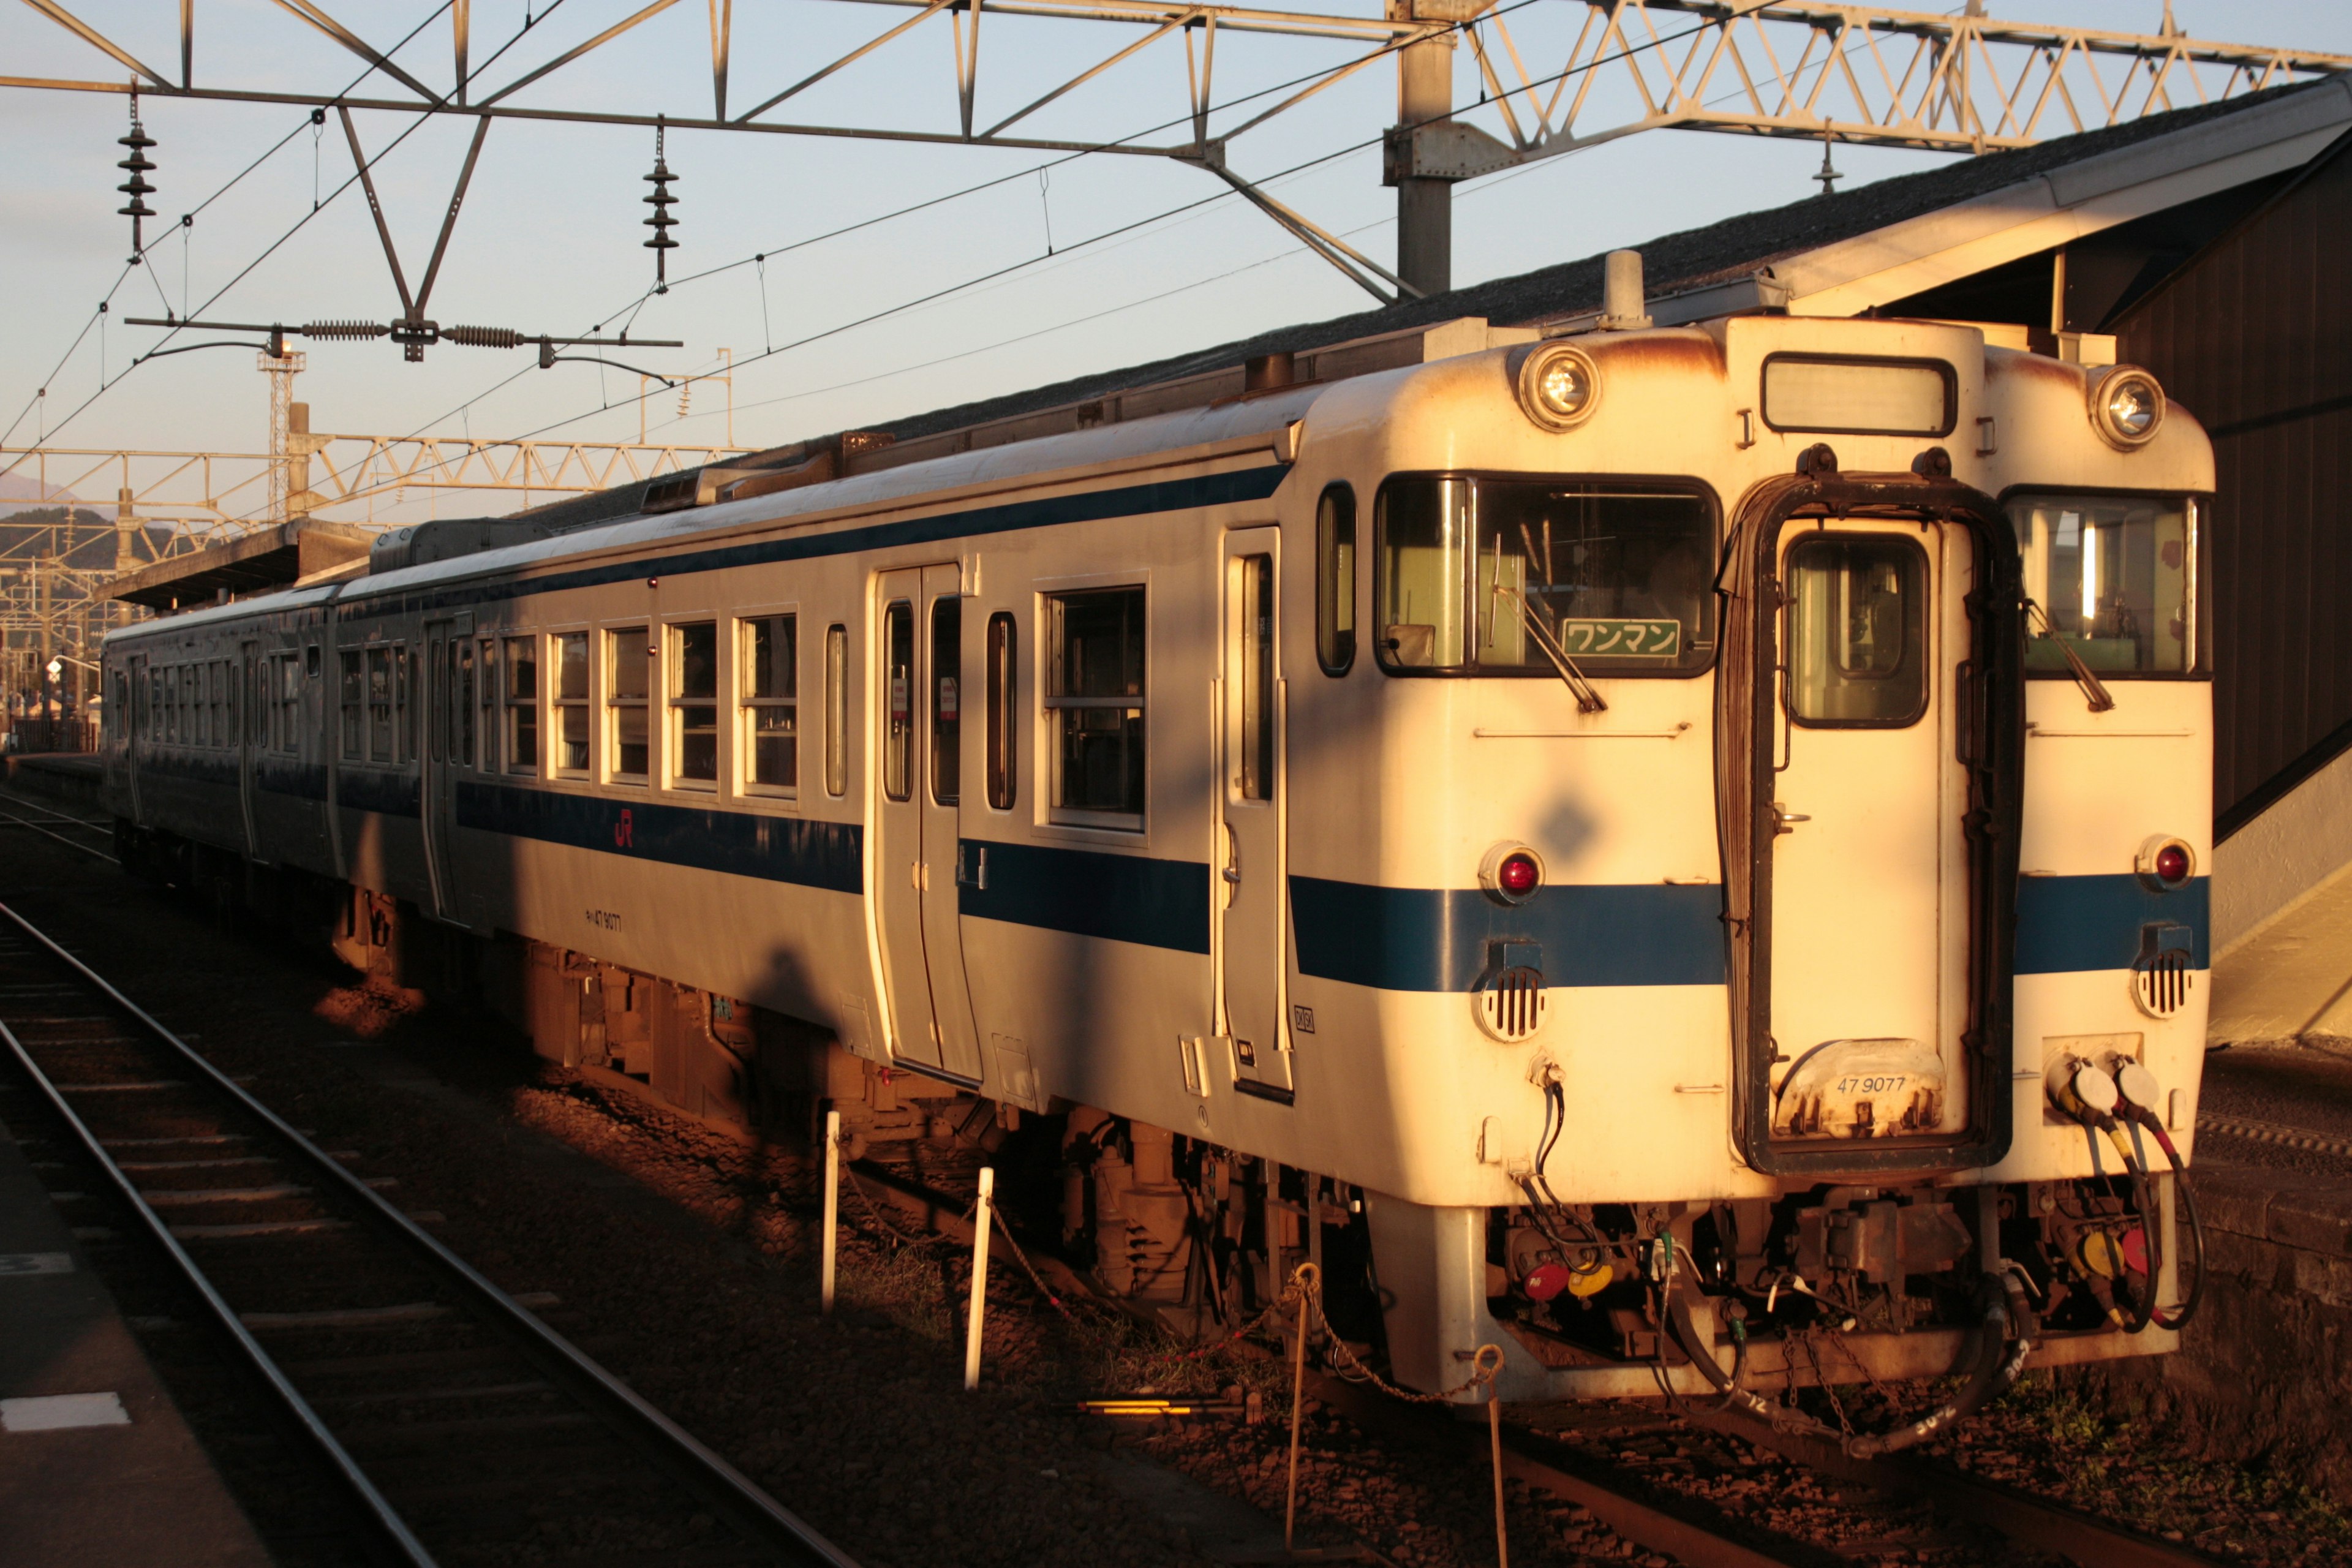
[832, 1209]
[980, 1214]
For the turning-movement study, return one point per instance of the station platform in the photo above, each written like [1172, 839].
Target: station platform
[76, 778]
[98, 1468]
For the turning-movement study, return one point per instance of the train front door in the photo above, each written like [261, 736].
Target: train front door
[1870, 900]
[449, 741]
[919, 654]
[1252, 893]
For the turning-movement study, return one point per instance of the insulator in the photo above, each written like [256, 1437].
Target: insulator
[483, 337]
[332, 332]
[661, 223]
[136, 187]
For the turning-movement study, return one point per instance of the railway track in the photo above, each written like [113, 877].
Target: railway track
[456, 1423]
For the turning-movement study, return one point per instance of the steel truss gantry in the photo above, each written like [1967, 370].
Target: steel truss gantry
[1842, 73]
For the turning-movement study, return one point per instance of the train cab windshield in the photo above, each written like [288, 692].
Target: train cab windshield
[1474, 574]
[2116, 579]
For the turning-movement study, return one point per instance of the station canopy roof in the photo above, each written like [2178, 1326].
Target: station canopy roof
[268, 558]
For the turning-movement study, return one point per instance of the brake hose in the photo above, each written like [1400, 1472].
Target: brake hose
[2087, 1094]
[2136, 1094]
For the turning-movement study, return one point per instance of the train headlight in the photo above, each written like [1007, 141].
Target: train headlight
[2166, 864]
[1558, 386]
[1511, 873]
[2127, 408]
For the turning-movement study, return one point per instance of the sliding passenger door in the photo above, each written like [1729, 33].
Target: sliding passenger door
[1252, 959]
[448, 749]
[248, 716]
[141, 714]
[918, 802]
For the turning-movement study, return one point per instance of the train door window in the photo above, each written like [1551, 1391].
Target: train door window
[694, 704]
[1004, 652]
[627, 684]
[1857, 631]
[770, 678]
[898, 742]
[353, 695]
[310, 661]
[522, 705]
[199, 725]
[1424, 528]
[1255, 773]
[462, 652]
[1095, 698]
[1334, 580]
[381, 707]
[571, 703]
[837, 711]
[947, 700]
[118, 710]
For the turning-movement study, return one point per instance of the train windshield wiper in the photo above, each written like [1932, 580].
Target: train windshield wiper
[1588, 701]
[2095, 692]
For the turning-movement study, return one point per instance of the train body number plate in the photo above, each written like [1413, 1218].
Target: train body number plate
[1646, 640]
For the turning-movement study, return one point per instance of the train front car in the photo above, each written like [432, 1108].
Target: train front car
[1759, 896]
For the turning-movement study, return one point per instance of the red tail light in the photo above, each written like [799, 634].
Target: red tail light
[1519, 875]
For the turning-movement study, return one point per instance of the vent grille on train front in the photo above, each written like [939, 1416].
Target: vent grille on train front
[2160, 983]
[2165, 968]
[1511, 1003]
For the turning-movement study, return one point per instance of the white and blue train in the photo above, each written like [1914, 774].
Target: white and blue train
[1651, 847]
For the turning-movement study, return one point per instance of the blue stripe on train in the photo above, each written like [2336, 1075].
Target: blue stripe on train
[1435, 939]
[1120, 898]
[827, 855]
[2069, 923]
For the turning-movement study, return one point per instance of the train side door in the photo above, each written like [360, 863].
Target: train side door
[449, 741]
[248, 713]
[138, 716]
[916, 805]
[1252, 954]
[1866, 1005]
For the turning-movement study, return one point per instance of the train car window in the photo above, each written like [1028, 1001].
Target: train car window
[898, 740]
[1857, 646]
[1618, 577]
[694, 702]
[628, 683]
[118, 711]
[1424, 529]
[462, 653]
[2114, 577]
[767, 691]
[353, 696]
[170, 702]
[406, 700]
[1004, 654]
[837, 711]
[381, 707]
[1095, 695]
[310, 661]
[571, 703]
[290, 704]
[486, 688]
[522, 705]
[1334, 580]
[947, 700]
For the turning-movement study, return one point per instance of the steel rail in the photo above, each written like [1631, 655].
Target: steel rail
[2030, 1520]
[771, 1522]
[61, 837]
[371, 1500]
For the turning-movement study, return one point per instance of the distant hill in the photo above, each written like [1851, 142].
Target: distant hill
[19, 491]
[25, 533]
